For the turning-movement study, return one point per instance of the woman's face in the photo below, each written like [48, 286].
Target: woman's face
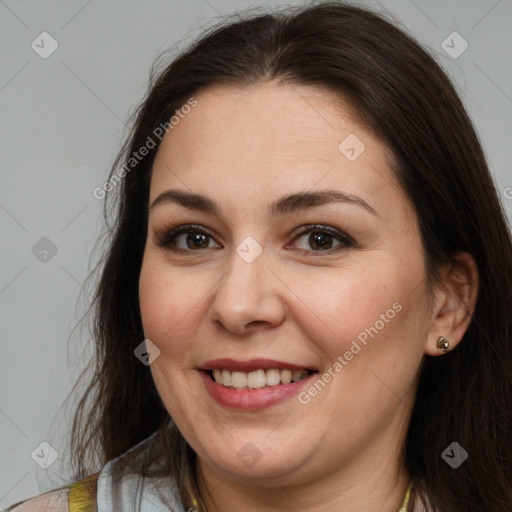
[278, 280]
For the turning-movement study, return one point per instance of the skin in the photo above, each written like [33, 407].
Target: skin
[245, 148]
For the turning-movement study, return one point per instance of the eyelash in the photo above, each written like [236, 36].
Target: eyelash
[167, 240]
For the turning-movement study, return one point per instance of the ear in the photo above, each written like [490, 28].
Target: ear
[455, 299]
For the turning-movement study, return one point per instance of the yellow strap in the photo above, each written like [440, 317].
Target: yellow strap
[82, 496]
[407, 497]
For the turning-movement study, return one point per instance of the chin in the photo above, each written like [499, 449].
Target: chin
[265, 462]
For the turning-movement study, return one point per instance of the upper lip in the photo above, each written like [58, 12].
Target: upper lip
[249, 365]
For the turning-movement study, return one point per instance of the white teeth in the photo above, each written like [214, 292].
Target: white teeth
[257, 379]
[286, 376]
[238, 379]
[273, 377]
[226, 378]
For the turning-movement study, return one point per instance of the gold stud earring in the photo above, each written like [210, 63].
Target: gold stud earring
[443, 344]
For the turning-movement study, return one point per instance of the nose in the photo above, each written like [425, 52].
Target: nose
[248, 297]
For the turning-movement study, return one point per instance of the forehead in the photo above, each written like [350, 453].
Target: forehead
[268, 136]
[276, 120]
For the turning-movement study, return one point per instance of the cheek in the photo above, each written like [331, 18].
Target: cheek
[371, 313]
[339, 305]
[155, 300]
[166, 304]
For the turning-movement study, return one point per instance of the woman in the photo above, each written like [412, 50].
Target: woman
[309, 243]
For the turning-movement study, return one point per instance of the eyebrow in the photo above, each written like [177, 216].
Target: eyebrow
[287, 204]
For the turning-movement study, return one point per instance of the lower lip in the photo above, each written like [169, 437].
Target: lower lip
[251, 399]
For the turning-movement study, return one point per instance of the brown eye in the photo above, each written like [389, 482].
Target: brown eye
[323, 238]
[196, 240]
[319, 240]
[185, 238]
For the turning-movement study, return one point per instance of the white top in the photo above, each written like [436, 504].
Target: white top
[135, 493]
[130, 494]
[116, 491]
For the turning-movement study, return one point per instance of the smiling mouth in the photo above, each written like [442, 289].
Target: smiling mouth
[258, 379]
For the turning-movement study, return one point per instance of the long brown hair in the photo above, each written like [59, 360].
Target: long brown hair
[408, 101]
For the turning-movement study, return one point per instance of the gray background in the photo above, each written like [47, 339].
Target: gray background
[62, 122]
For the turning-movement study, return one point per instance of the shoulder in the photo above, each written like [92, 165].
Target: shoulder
[78, 496]
[52, 501]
